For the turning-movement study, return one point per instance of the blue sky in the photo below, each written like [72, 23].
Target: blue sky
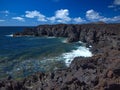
[35, 12]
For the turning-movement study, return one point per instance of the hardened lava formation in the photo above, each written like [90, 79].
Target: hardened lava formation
[99, 72]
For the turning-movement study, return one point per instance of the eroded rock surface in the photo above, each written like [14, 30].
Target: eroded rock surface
[99, 72]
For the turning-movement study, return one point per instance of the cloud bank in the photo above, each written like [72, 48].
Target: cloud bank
[63, 16]
[95, 16]
[60, 16]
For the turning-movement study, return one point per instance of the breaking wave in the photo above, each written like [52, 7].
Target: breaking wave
[10, 35]
[80, 51]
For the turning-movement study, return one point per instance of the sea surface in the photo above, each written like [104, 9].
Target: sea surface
[23, 56]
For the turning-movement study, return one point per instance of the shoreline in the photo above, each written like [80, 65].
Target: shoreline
[99, 72]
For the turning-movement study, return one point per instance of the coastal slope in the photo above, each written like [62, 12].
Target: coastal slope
[99, 72]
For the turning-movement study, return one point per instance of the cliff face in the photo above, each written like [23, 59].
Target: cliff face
[100, 72]
[89, 33]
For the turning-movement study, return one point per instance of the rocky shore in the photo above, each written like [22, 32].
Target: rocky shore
[99, 72]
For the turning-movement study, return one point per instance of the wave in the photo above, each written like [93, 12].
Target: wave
[10, 35]
[64, 41]
[80, 51]
[50, 37]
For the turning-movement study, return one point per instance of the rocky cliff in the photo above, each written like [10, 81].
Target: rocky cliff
[88, 33]
[99, 72]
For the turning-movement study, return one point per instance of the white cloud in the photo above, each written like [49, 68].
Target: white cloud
[63, 13]
[52, 19]
[2, 20]
[112, 19]
[115, 5]
[79, 20]
[92, 15]
[35, 14]
[116, 2]
[61, 16]
[18, 18]
[32, 14]
[111, 6]
[95, 16]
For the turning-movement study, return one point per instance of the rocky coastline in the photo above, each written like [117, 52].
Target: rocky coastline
[99, 72]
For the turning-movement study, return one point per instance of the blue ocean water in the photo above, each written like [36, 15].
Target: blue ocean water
[23, 56]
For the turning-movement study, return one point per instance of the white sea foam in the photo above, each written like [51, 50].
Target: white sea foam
[90, 46]
[10, 35]
[64, 41]
[80, 51]
[51, 37]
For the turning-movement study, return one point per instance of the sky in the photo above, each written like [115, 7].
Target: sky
[36, 12]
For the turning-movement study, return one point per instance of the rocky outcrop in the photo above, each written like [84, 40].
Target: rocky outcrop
[90, 33]
[99, 72]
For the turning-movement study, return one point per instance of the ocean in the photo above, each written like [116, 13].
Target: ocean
[23, 56]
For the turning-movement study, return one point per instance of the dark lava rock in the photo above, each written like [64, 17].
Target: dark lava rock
[117, 71]
[99, 72]
[113, 87]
